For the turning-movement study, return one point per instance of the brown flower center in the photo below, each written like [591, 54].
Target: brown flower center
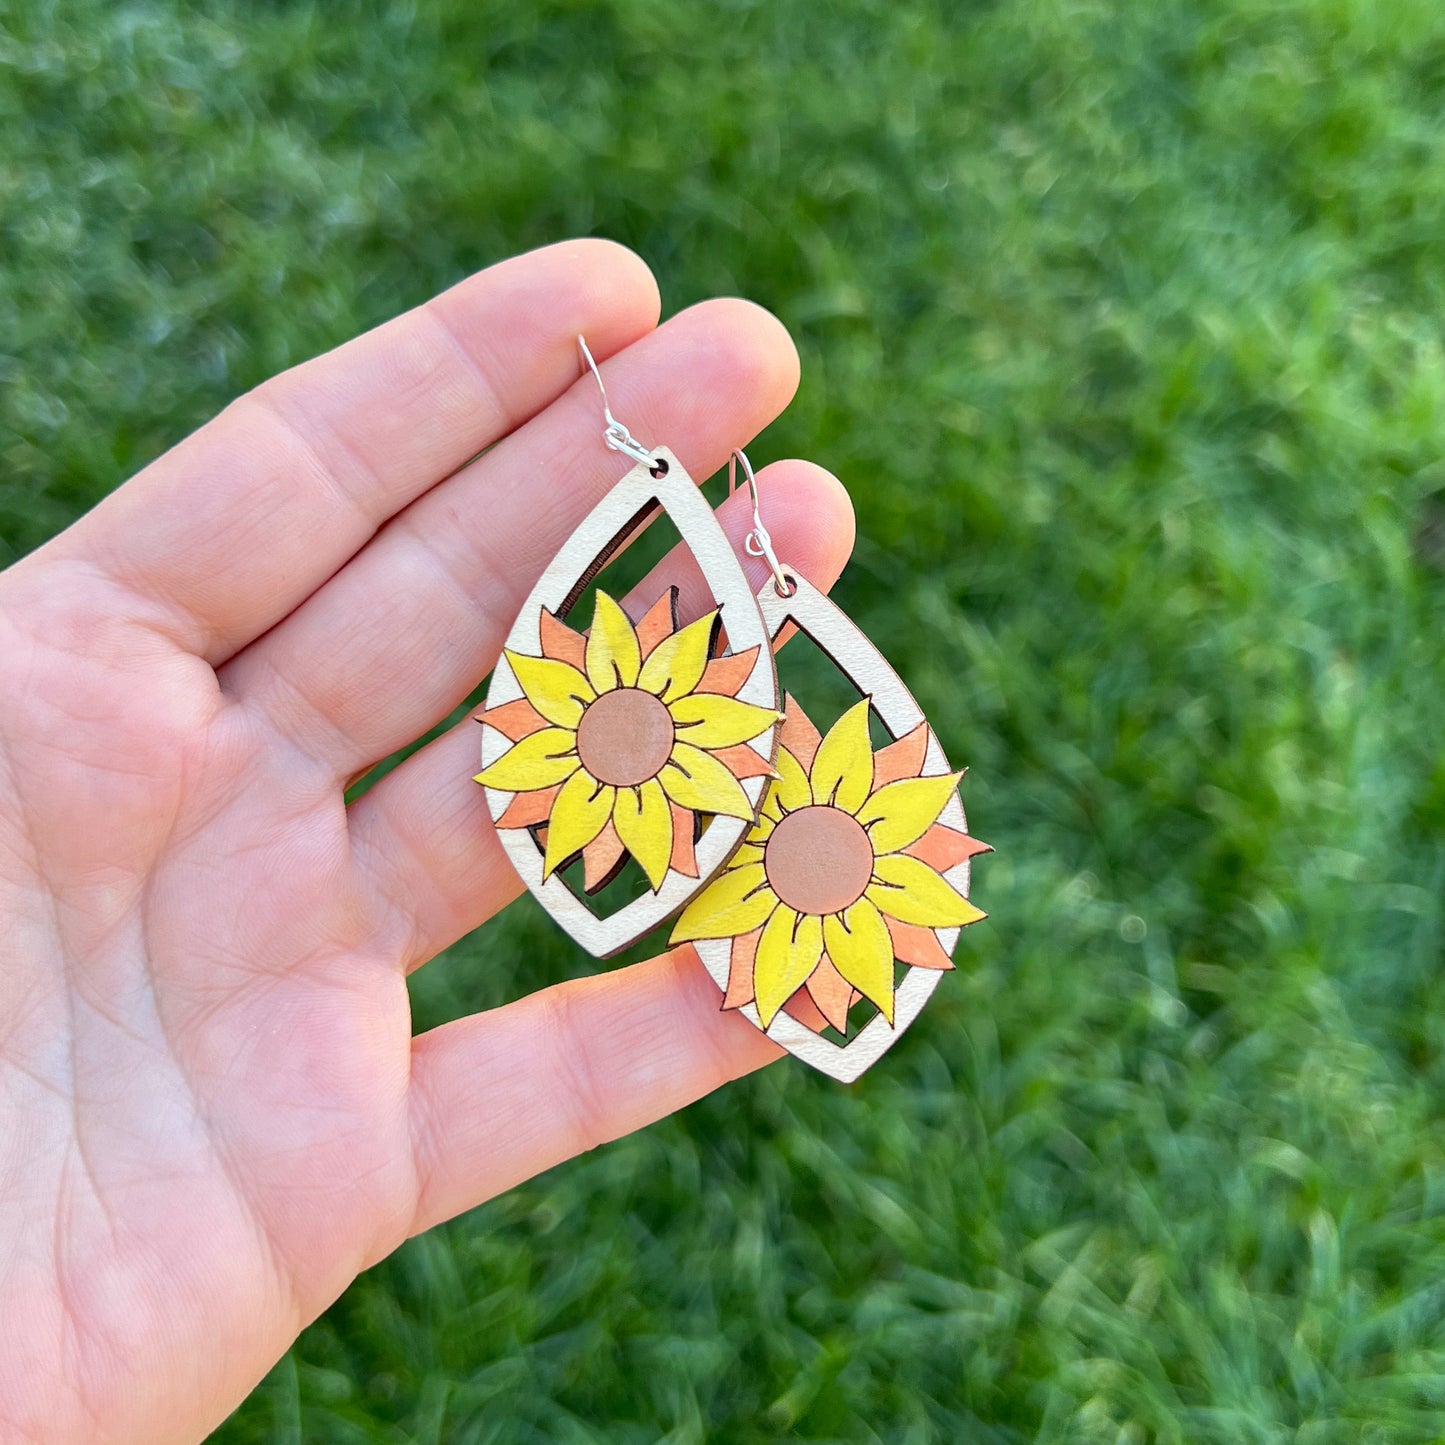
[625, 737]
[819, 860]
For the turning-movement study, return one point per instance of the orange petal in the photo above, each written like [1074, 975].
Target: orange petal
[561, 643]
[684, 856]
[903, 759]
[798, 734]
[727, 674]
[832, 993]
[526, 810]
[740, 969]
[807, 1013]
[916, 945]
[659, 621]
[600, 859]
[514, 720]
[742, 761]
[942, 848]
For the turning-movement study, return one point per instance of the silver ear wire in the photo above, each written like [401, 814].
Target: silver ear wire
[758, 542]
[615, 434]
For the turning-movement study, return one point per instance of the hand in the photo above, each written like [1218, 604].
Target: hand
[213, 1113]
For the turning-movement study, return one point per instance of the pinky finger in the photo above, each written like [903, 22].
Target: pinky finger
[501, 1096]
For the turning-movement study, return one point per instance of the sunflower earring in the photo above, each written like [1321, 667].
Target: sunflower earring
[638, 738]
[852, 887]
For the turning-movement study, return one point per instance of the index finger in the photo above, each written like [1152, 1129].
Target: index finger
[238, 524]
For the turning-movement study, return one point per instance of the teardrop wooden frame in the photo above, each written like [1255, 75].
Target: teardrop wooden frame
[836, 634]
[633, 502]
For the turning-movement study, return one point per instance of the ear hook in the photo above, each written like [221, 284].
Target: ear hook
[758, 542]
[615, 434]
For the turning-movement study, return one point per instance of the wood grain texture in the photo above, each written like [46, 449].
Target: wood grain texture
[633, 501]
[835, 633]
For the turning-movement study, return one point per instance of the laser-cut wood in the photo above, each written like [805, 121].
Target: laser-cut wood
[631, 503]
[926, 950]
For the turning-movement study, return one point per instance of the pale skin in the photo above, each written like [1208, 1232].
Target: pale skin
[213, 1111]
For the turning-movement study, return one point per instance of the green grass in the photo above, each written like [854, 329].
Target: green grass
[1123, 324]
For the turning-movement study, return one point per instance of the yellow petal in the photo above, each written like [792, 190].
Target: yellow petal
[909, 890]
[788, 951]
[698, 781]
[710, 720]
[675, 666]
[901, 813]
[613, 653]
[538, 761]
[861, 948]
[643, 821]
[556, 689]
[736, 901]
[749, 853]
[791, 791]
[579, 814]
[842, 772]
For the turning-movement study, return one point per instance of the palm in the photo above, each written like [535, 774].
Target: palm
[214, 1112]
[231, 1142]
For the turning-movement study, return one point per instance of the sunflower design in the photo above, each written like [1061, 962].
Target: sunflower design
[623, 737]
[842, 874]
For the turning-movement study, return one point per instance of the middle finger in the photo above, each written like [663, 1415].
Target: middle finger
[407, 629]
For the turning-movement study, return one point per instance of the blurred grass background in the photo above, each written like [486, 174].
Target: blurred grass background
[1122, 322]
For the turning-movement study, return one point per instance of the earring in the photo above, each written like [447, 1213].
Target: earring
[638, 738]
[853, 883]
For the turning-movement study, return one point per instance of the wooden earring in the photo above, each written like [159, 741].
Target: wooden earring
[638, 738]
[853, 884]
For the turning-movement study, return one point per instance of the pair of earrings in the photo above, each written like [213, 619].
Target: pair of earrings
[814, 874]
